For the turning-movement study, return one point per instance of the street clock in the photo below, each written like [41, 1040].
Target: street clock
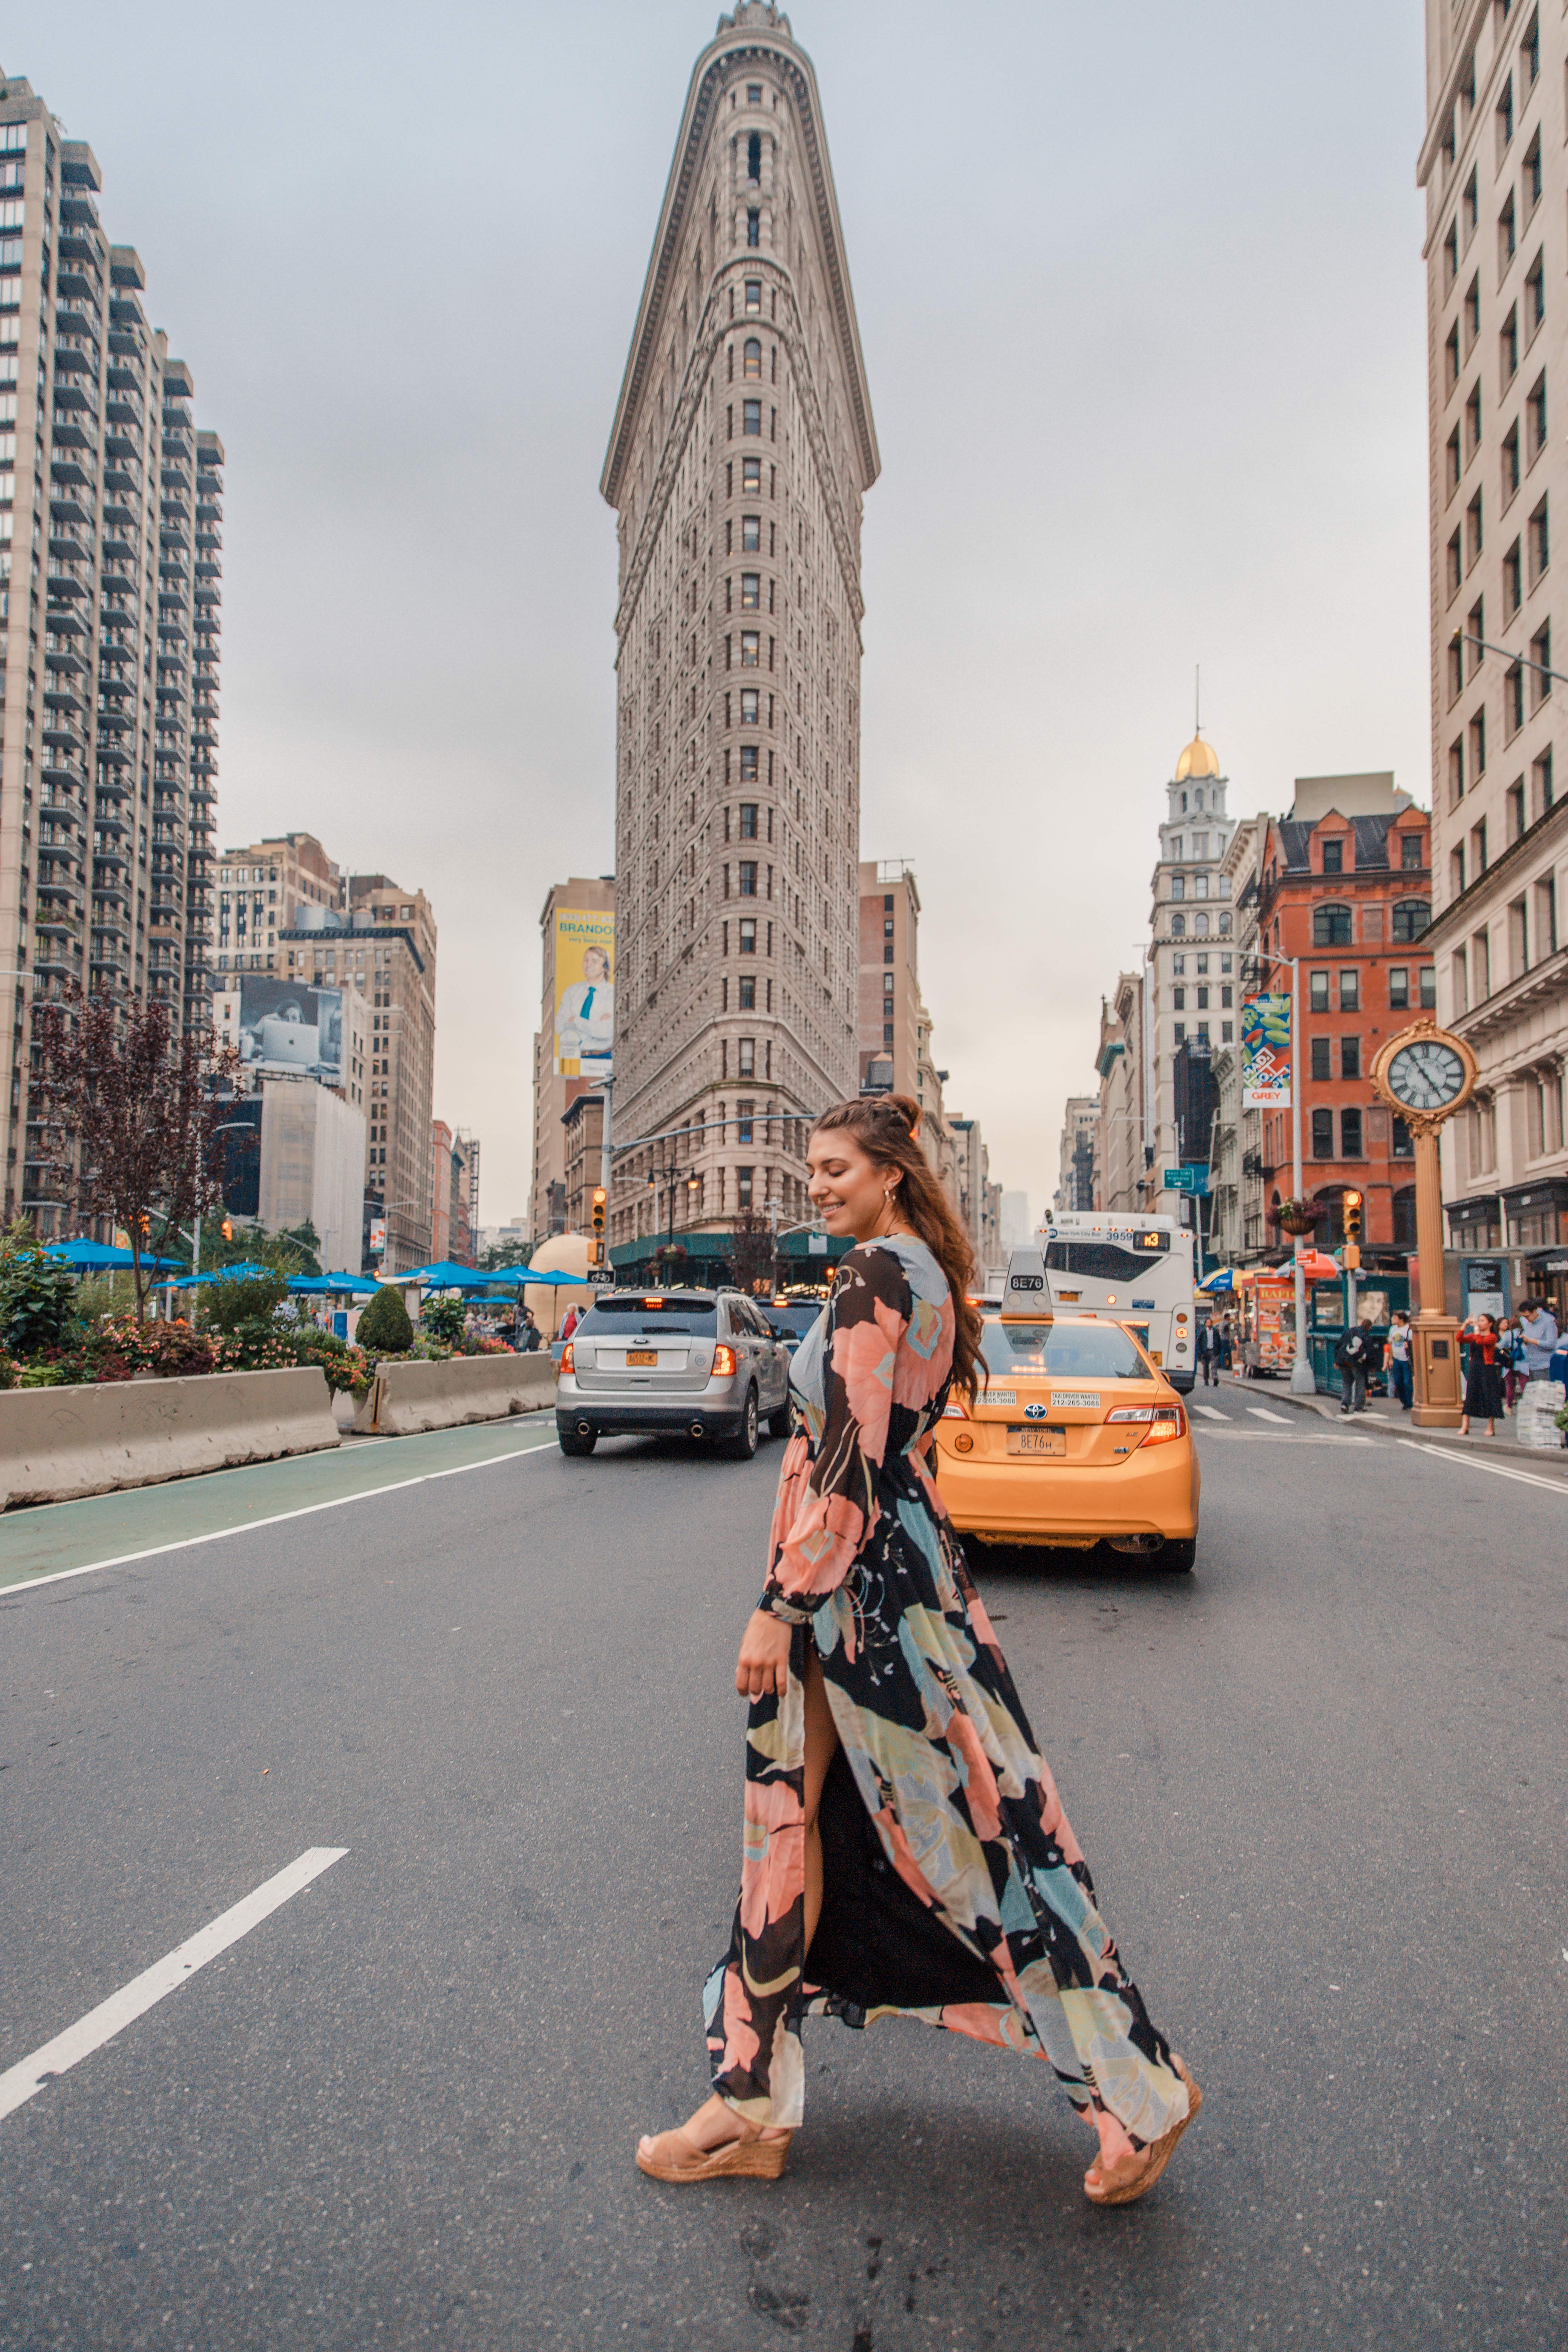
[1426, 1074]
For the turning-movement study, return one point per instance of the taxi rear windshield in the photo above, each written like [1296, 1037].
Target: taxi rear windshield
[1105, 1260]
[1101, 1351]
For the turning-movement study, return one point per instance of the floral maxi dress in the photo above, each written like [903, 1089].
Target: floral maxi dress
[953, 1888]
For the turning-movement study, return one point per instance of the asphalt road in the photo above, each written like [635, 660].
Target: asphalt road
[1320, 1782]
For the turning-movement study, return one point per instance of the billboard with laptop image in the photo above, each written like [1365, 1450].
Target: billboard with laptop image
[288, 1030]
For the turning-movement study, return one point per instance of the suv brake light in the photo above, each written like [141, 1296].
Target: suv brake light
[724, 1361]
[568, 1356]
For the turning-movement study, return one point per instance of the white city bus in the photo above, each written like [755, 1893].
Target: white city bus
[1135, 1270]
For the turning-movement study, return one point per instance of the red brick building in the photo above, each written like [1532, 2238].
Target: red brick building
[1350, 893]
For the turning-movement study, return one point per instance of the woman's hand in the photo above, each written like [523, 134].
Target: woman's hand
[763, 1664]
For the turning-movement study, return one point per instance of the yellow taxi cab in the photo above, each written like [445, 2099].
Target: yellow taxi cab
[1075, 1439]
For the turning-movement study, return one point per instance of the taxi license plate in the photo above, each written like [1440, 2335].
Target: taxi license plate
[642, 1355]
[1037, 1441]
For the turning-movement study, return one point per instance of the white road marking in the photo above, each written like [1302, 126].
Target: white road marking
[1497, 1469]
[1211, 1413]
[306, 1511]
[24, 2080]
[1262, 1413]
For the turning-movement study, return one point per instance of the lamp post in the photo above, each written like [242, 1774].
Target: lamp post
[670, 1177]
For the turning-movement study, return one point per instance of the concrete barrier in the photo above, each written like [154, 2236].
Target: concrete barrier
[406, 1398]
[60, 1443]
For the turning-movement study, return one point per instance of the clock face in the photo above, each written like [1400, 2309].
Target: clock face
[1426, 1075]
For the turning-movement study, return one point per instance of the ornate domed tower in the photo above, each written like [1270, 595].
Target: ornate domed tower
[1190, 983]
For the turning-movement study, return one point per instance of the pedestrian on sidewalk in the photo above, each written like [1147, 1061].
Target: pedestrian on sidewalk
[1483, 1389]
[529, 1337]
[1537, 1326]
[1208, 1353]
[905, 1849]
[1511, 1360]
[1354, 1356]
[1226, 1343]
[1399, 1365]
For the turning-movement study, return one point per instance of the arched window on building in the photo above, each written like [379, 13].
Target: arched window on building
[1331, 926]
[1411, 917]
[1201, 928]
[1178, 926]
[751, 359]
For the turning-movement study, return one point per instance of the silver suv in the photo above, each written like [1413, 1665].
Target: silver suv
[702, 1364]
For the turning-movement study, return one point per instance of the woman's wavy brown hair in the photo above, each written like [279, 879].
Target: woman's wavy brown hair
[886, 1129]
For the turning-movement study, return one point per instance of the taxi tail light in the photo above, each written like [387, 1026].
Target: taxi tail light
[954, 1410]
[1161, 1423]
[568, 1356]
[724, 1361]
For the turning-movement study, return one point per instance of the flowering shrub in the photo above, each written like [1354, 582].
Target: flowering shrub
[120, 1348]
[491, 1348]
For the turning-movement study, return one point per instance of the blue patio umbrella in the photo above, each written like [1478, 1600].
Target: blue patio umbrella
[1223, 1278]
[221, 1273]
[98, 1255]
[554, 1280]
[447, 1276]
[330, 1286]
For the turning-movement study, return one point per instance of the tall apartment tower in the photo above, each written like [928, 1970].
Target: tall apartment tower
[741, 450]
[110, 564]
[1495, 171]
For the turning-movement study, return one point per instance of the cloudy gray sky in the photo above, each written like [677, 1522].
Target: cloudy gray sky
[1141, 303]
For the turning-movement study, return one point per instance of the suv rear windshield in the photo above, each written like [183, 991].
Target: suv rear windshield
[674, 1310]
[1099, 1351]
[793, 1321]
[1105, 1260]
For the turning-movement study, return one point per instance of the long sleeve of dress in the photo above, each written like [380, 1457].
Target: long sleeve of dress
[824, 1516]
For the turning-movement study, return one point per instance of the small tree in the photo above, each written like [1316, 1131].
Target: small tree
[131, 1118]
[751, 1251]
[384, 1325]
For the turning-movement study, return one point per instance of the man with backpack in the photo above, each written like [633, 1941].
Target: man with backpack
[1354, 1356]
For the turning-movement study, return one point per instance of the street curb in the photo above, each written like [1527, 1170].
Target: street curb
[1330, 1411]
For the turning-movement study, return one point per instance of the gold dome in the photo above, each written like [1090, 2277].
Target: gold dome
[1199, 759]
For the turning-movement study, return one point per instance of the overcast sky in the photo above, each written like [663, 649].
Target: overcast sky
[1142, 302]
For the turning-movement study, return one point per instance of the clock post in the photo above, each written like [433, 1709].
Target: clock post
[1426, 1074]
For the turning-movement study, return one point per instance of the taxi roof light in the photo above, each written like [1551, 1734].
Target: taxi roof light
[1026, 1293]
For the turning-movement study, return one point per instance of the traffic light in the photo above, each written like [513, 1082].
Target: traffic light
[1352, 1229]
[227, 1229]
[598, 1225]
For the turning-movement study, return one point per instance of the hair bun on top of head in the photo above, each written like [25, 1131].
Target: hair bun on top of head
[900, 1110]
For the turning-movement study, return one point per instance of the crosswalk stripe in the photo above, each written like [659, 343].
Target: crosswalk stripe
[1263, 1414]
[1211, 1413]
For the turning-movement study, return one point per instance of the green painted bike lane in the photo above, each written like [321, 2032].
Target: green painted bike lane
[100, 1530]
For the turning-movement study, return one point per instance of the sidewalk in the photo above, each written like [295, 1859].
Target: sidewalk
[1384, 1411]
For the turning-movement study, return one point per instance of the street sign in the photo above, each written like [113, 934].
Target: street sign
[816, 1245]
[602, 1277]
[1191, 1177]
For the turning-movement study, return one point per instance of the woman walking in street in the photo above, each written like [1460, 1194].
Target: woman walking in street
[1483, 1389]
[905, 1851]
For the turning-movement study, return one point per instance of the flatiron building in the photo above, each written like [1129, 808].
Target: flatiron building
[742, 449]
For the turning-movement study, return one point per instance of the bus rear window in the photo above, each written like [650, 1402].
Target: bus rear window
[1099, 1351]
[1105, 1261]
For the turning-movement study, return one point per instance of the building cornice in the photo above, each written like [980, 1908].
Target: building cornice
[711, 74]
